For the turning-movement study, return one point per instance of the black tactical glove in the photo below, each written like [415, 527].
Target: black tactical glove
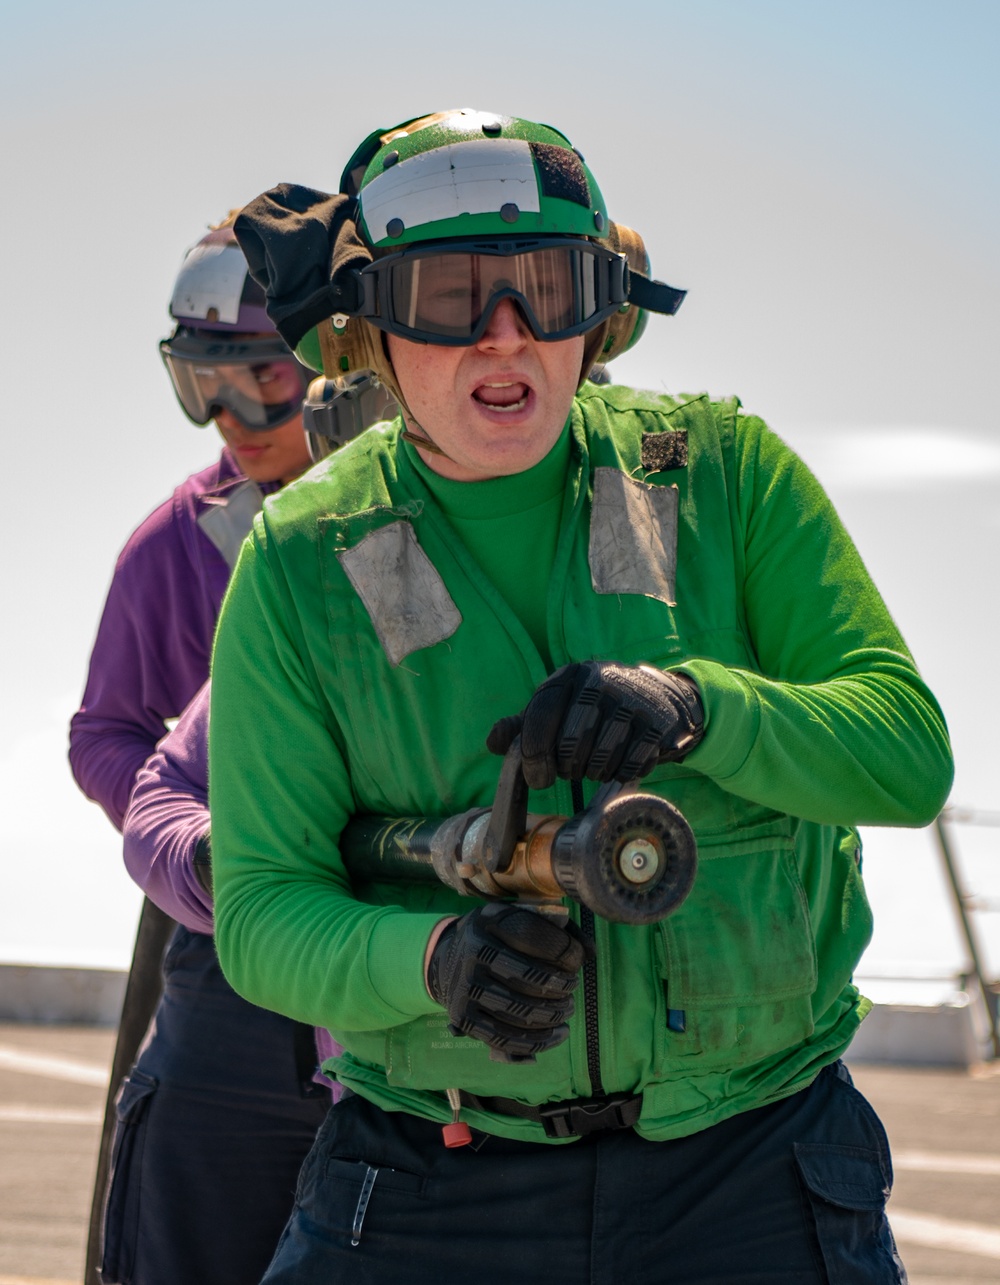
[506, 977]
[605, 721]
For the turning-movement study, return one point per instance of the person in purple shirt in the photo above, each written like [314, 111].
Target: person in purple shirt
[206, 1148]
[154, 641]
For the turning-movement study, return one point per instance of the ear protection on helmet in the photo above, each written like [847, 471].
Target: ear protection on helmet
[337, 410]
[626, 326]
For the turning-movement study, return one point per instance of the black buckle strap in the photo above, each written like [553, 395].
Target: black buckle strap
[580, 1116]
[573, 1118]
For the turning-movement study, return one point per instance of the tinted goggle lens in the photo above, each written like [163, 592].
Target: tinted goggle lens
[262, 391]
[447, 296]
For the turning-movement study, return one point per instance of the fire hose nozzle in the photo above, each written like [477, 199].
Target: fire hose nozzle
[629, 857]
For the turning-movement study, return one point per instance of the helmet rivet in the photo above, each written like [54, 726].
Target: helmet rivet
[339, 322]
[509, 212]
[390, 159]
[395, 227]
[599, 220]
[492, 128]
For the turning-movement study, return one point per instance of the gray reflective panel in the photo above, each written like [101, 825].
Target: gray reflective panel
[403, 593]
[633, 537]
[227, 519]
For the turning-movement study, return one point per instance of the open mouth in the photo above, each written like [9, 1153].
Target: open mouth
[503, 397]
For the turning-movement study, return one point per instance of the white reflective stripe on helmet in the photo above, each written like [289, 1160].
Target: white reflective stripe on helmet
[211, 279]
[478, 177]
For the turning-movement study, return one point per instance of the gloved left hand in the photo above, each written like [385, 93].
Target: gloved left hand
[506, 975]
[605, 721]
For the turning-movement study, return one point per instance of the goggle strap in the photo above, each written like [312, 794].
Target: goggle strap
[654, 296]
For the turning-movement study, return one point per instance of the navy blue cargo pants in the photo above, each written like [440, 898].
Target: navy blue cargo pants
[214, 1121]
[788, 1194]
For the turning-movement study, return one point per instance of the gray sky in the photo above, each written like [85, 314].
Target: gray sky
[823, 179]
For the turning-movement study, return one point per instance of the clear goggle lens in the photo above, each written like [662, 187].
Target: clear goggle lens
[445, 295]
[257, 381]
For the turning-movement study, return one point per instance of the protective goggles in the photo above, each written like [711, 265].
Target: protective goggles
[446, 293]
[257, 379]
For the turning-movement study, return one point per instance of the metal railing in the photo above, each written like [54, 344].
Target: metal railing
[966, 904]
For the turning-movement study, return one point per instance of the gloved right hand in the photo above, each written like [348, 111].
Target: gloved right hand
[605, 721]
[506, 976]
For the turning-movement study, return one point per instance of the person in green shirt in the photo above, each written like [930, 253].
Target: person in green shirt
[640, 588]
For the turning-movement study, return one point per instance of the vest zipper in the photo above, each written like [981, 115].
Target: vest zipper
[590, 1014]
[590, 1009]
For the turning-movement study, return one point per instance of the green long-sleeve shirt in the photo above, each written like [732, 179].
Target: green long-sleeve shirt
[363, 655]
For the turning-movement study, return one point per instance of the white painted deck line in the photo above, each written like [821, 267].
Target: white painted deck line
[912, 1228]
[53, 1068]
[48, 1115]
[54, 1280]
[947, 1162]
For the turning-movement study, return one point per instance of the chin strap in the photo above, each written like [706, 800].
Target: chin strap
[424, 443]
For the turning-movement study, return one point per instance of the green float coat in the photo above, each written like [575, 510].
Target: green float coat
[816, 721]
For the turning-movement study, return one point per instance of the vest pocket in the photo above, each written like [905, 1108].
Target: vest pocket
[424, 1054]
[739, 958]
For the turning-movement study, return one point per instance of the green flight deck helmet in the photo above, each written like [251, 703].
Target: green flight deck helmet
[473, 174]
[464, 181]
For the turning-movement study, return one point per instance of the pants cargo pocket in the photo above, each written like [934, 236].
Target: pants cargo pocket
[846, 1189]
[121, 1205]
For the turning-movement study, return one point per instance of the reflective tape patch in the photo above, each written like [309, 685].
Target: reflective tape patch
[405, 597]
[633, 537]
[463, 178]
[227, 519]
[211, 277]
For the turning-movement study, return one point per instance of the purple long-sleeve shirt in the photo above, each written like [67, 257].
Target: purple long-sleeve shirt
[167, 815]
[154, 641]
